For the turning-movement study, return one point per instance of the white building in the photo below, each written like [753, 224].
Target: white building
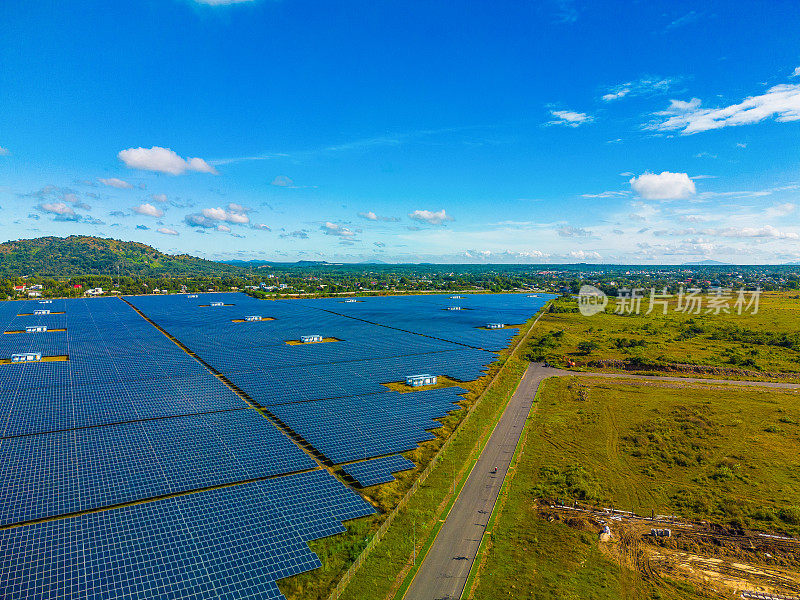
[421, 379]
[34, 294]
[98, 291]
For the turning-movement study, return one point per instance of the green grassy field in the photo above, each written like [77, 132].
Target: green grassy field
[768, 341]
[417, 519]
[712, 452]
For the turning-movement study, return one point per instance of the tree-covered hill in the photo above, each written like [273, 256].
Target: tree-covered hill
[86, 255]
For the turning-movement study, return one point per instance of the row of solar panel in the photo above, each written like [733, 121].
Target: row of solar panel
[229, 543]
[378, 470]
[360, 427]
[36, 409]
[71, 471]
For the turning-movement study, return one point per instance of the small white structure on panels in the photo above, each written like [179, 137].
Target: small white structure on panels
[308, 339]
[45, 301]
[42, 311]
[421, 379]
[495, 325]
[35, 328]
[253, 318]
[453, 308]
[26, 357]
[217, 304]
[190, 296]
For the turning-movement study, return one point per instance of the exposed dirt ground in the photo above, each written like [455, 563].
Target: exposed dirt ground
[723, 562]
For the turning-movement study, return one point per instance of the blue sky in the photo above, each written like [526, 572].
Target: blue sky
[550, 131]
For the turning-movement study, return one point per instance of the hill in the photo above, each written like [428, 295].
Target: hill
[86, 255]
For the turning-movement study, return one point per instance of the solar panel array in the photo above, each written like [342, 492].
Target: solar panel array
[133, 428]
[229, 543]
[75, 470]
[378, 470]
[332, 394]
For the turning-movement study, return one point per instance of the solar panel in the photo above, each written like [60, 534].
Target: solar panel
[227, 543]
[77, 470]
[377, 470]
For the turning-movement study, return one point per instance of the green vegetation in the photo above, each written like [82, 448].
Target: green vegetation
[702, 452]
[417, 520]
[767, 342]
[79, 255]
[717, 453]
[531, 558]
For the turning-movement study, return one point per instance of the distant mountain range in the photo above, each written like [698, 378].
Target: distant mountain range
[707, 263]
[87, 255]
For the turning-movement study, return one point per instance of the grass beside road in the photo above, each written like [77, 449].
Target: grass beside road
[379, 575]
[767, 342]
[711, 452]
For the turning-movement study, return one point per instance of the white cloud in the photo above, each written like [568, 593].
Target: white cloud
[159, 197]
[767, 231]
[163, 160]
[167, 231]
[209, 218]
[261, 226]
[116, 183]
[4, 151]
[569, 231]
[224, 228]
[283, 181]
[430, 217]
[371, 216]
[781, 102]
[781, 210]
[584, 255]
[664, 186]
[608, 194]
[148, 210]
[337, 230]
[796, 72]
[641, 87]
[569, 118]
[58, 208]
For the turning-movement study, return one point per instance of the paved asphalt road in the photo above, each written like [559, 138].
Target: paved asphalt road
[443, 573]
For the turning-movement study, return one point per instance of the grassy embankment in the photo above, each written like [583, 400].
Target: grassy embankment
[417, 520]
[768, 342]
[717, 453]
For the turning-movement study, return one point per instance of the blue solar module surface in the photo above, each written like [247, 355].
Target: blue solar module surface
[120, 368]
[359, 427]
[377, 470]
[332, 394]
[229, 543]
[131, 416]
[71, 471]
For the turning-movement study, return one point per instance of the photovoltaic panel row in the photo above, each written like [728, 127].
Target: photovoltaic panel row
[428, 315]
[378, 470]
[229, 543]
[279, 386]
[360, 427]
[27, 409]
[71, 471]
